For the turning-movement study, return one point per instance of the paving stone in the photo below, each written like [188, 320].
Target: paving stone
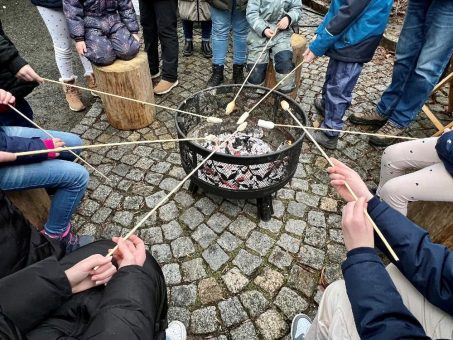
[161, 167]
[172, 230]
[328, 204]
[184, 295]
[280, 258]
[244, 331]
[193, 270]
[316, 218]
[168, 184]
[152, 200]
[302, 280]
[318, 295]
[241, 227]
[192, 218]
[218, 222]
[247, 262]
[215, 256]
[320, 189]
[161, 252]
[101, 193]
[279, 208]
[228, 241]
[184, 199]
[259, 242]
[230, 209]
[271, 325]
[114, 200]
[315, 236]
[254, 302]
[144, 163]
[296, 209]
[290, 303]
[336, 235]
[308, 199]
[289, 243]
[101, 215]
[232, 312]
[172, 274]
[300, 184]
[334, 221]
[182, 246]
[234, 280]
[153, 178]
[209, 291]
[206, 206]
[286, 194]
[168, 212]
[204, 320]
[270, 280]
[311, 256]
[296, 227]
[135, 175]
[204, 236]
[336, 252]
[132, 202]
[332, 272]
[273, 225]
[124, 218]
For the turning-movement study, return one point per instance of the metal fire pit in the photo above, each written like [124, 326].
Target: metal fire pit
[242, 176]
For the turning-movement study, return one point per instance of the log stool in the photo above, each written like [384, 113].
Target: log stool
[436, 218]
[130, 79]
[299, 43]
[34, 205]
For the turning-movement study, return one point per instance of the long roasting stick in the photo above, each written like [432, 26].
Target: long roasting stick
[285, 106]
[48, 134]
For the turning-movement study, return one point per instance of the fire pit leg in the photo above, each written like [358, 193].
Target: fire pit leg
[265, 208]
[193, 188]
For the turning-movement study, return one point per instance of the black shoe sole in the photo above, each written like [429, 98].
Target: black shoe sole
[382, 143]
[187, 54]
[358, 121]
[207, 56]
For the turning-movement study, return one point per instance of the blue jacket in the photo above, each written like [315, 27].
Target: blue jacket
[20, 144]
[48, 3]
[444, 148]
[379, 312]
[352, 29]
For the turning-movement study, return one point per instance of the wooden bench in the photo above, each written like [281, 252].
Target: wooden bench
[436, 218]
[34, 205]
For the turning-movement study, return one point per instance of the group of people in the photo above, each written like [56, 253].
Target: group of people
[69, 272]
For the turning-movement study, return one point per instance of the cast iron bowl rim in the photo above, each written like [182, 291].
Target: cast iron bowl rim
[270, 154]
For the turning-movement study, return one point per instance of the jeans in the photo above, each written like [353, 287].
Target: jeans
[341, 78]
[423, 51]
[12, 118]
[68, 178]
[206, 28]
[222, 22]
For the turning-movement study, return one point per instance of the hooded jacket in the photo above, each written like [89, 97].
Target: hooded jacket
[48, 3]
[20, 144]
[444, 148]
[194, 10]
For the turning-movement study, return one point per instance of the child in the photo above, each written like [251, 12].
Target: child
[268, 18]
[349, 35]
[103, 29]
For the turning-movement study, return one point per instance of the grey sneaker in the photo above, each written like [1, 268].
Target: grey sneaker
[387, 129]
[300, 326]
[367, 118]
[325, 141]
[320, 106]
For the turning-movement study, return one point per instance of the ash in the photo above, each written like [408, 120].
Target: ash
[242, 145]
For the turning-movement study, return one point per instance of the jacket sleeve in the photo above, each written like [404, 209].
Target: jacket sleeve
[253, 17]
[444, 148]
[349, 12]
[30, 295]
[127, 15]
[379, 312]
[9, 56]
[427, 265]
[73, 11]
[295, 11]
[20, 144]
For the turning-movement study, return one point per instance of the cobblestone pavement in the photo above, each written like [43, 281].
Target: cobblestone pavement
[229, 275]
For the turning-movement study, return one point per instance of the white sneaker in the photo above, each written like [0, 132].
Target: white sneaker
[300, 326]
[176, 331]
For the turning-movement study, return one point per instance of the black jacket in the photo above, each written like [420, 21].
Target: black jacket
[379, 312]
[48, 3]
[224, 5]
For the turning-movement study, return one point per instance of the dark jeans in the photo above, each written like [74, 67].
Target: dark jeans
[159, 22]
[206, 28]
[341, 78]
[12, 118]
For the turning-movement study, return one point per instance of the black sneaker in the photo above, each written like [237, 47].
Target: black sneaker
[320, 106]
[188, 48]
[238, 73]
[72, 241]
[325, 141]
[206, 49]
[217, 76]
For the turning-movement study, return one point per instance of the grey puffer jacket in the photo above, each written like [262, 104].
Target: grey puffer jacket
[224, 5]
[194, 10]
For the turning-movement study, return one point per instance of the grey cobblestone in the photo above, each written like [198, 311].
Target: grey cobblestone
[241, 227]
[218, 222]
[204, 320]
[289, 243]
[290, 302]
[215, 256]
[259, 242]
[296, 209]
[311, 256]
[204, 236]
[192, 218]
[228, 241]
[273, 225]
[254, 302]
[316, 219]
[193, 270]
[296, 227]
[244, 331]
[172, 230]
[280, 258]
[272, 325]
[168, 212]
[247, 262]
[184, 295]
[172, 274]
[182, 246]
[234, 280]
[232, 312]
[315, 236]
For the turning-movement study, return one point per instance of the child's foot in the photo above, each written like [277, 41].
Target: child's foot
[176, 331]
[164, 86]
[319, 106]
[188, 48]
[91, 84]
[325, 141]
[73, 96]
[300, 326]
[216, 76]
[206, 49]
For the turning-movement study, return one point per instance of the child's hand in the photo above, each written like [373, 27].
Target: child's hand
[283, 24]
[136, 37]
[7, 157]
[26, 73]
[269, 33]
[309, 56]
[81, 47]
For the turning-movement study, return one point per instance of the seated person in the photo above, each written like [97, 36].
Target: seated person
[103, 30]
[431, 179]
[412, 299]
[268, 18]
[56, 171]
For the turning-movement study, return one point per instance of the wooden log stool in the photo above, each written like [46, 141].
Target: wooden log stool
[34, 205]
[130, 79]
[299, 43]
[436, 218]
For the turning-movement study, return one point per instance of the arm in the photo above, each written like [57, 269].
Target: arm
[347, 14]
[444, 148]
[253, 17]
[127, 15]
[73, 11]
[9, 56]
[295, 11]
[18, 144]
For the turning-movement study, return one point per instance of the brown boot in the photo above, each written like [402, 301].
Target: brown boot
[73, 96]
[91, 84]
[164, 86]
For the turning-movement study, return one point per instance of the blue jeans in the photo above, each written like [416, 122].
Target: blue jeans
[68, 178]
[423, 51]
[222, 22]
[341, 78]
[206, 28]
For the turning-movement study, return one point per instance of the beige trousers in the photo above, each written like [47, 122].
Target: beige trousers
[412, 171]
[335, 320]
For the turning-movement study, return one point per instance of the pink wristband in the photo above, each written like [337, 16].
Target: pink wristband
[50, 145]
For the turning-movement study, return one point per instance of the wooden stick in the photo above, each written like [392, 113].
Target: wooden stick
[48, 134]
[375, 227]
[94, 146]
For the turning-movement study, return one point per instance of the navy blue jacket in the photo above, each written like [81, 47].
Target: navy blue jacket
[379, 312]
[48, 3]
[20, 144]
[444, 148]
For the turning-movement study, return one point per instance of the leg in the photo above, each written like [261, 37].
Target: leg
[258, 75]
[99, 48]
[187, 27]
[240, 32]
[283, 63]
[221, 22]
[148, 21]
[123, 43]
[206, 28]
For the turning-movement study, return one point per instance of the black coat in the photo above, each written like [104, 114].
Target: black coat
[48, 3]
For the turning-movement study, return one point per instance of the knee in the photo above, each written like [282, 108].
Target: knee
[258, 75]
[101, 55]
[389, 155]
[335, 293]
[220, 29]
[390, 190]
[83, 177]
[64, 52]
[283, 62]
[129, 52]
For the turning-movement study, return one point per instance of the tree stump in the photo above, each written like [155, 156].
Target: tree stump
[436, 218]
[299, 43]
[130, 79]
[34, 205]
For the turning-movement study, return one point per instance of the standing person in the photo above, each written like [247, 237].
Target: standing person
[424, 48]
[52, 14]
[196, 10]
[349, 35]
[159, 21]
[228, 15]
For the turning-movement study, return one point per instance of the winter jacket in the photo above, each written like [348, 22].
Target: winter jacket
[225, 5]
[48, 3]
[194, 10]
[76, 10]
[352, 29]
[444, 148]
[21, 144]
[379, 312]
